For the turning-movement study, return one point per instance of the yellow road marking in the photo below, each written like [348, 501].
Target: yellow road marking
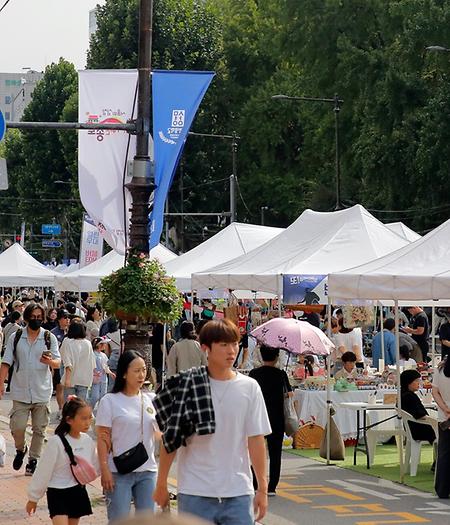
[346, 510]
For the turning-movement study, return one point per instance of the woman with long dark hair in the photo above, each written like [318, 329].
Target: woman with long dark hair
[125, 418]
[93, 320]
[441, 394]
[67, 500]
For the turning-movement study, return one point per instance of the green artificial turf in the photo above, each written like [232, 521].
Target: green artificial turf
[386, 465]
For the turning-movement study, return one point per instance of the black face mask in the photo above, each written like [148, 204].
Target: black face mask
[35, 324]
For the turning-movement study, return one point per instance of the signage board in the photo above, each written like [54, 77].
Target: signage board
[51, 229]
[51, 243]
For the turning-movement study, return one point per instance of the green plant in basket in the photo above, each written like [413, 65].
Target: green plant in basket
[142, 289]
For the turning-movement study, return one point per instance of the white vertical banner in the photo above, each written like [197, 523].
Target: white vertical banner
[91, 247]
[106, 96]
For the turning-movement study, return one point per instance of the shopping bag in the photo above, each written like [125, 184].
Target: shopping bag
[290, 417]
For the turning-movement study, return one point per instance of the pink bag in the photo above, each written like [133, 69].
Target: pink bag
[81, 469]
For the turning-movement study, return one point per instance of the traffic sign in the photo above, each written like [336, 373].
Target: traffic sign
[51, 243]
[51, 229]
[2, 125]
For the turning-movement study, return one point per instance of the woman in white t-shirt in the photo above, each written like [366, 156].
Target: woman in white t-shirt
[93, 320]
[125, 418]
[348, 340]
[441, 394]
[79, 361]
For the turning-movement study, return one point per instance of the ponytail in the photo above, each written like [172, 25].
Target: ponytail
[69, 410]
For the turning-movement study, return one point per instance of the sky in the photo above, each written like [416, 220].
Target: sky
[35, 33]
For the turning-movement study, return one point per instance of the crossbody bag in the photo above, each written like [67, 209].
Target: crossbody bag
[134, 457]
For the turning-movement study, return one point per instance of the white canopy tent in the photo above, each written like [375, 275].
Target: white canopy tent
[234, 240]
[19, 268]
[316, 243]
[87, 279]
[417, 272]
[401, 229]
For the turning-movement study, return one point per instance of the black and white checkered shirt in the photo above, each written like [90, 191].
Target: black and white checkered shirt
[184, 407]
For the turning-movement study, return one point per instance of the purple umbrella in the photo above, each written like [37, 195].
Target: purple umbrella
[298, 337]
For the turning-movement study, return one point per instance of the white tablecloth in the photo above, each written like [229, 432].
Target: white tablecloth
[313, 403]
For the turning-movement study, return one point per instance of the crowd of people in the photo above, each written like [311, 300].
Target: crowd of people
[215, 421]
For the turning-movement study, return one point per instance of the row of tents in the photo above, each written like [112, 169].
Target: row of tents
[347, 245]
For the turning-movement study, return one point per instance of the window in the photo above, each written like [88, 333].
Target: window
[10, 83]
[8, 99]
[7, 115]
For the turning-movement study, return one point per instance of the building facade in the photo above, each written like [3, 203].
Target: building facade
[15, 92]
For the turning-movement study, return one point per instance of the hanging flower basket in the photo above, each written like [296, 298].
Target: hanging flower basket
[141, 289]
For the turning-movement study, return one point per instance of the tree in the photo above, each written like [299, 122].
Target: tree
[37, 159]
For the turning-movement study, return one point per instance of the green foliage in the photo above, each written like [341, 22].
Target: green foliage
[141, 288]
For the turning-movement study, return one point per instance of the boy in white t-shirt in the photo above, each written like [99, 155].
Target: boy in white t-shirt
[214, 478]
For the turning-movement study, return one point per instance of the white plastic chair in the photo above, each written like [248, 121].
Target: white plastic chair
[413, 447]
[382, 432]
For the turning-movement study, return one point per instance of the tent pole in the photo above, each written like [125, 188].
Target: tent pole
[433, 333]
[383, 357]
[328, 383]
[279, 296]
[192, 306]
[399, 396]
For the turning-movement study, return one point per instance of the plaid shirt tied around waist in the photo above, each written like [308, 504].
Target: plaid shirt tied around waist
[184, 407]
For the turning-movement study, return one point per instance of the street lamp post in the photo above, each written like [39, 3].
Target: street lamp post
[263, 209]
[337, 103]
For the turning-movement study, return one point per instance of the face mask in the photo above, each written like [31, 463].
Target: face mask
[35, 324]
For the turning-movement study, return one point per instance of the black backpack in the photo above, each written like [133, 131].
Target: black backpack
[18, 335]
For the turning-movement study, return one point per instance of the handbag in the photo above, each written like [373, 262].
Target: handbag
[290, 415]
[134, 457]
[337, 446]
[83, 471]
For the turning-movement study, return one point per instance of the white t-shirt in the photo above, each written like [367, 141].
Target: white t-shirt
[349, 341]
[122, 414]
[408, 363]
[442, 383]
[78, 355]
[218, 465]
[53, 469]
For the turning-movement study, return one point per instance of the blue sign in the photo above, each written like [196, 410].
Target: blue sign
[51, 229]
[176, 97]
[2, 125]
[51, 243]
[305, 289]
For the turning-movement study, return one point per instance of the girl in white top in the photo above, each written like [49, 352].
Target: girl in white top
[67, 500]
[441, 394]
[79, 361]
[126, 417]
[348, 340]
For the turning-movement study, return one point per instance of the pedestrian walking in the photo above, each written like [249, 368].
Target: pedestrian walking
[99, 387]
[93, 321]
[60, 332]
[275, 386]
[33, 353]
[78, 360]
[67, 499]
[127, 429]
[187, 352]
[441, 394]
[220, 416]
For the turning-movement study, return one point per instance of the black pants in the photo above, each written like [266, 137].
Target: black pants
[275, 448]
[442, 479]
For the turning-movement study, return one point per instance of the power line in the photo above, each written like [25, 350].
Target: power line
[4, 5]
[242, 198]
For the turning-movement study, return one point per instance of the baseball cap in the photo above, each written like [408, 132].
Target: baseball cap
[62, 313]
[17, 303]
[98, 340]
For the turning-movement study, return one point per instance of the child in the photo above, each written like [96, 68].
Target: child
[405, 358]
[101, 371]
[348, 362]
[65, 496]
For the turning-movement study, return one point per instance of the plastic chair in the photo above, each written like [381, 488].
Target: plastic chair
[413, 447]
[383, 431]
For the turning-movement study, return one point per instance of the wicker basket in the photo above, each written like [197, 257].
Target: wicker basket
[309, 435]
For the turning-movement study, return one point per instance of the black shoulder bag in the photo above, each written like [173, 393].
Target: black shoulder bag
[134, 457]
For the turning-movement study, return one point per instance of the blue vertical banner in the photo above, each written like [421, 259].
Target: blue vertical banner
[176, 96]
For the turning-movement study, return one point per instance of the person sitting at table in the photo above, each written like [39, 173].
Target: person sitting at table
[348, 370]
[405, 360]
[410, 384]
[305, 367]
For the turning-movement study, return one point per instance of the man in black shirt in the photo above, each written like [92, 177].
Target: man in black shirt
[444, 337]
[419, 329]
[275, 385]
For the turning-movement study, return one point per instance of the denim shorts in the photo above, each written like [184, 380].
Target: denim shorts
[233, 511]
